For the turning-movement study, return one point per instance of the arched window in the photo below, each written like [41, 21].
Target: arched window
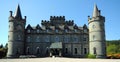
[85, 50]
[66, 50]
[37, 50]
[93, 26]
[94, 50]
[28, 52]
[93, 37]
[75, 50]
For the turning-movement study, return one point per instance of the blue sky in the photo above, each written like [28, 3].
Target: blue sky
[77, 10]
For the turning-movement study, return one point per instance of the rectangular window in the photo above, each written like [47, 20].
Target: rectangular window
[84, 39]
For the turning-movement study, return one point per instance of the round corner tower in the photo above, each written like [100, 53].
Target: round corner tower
[97, 42]
[16, 34]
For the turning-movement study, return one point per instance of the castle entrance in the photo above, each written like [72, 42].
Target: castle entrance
[55, 52]
[56, 49]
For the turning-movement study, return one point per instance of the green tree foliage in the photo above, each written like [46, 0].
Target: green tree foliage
[3, 51]
[1, 46]
[113, 46]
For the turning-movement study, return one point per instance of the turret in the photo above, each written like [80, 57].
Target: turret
[97, 43]
[16, 34]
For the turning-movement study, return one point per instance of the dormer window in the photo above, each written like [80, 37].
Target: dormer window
[75, 30]
[66, 30]
[28, 31]
[56, 30]
[85, 30]
[38, 31]
[47, 30]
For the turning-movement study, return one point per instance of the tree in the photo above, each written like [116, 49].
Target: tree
[1, 46]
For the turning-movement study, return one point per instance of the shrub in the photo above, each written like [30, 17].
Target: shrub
[91, 56]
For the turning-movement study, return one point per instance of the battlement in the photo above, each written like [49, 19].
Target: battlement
[57, 17]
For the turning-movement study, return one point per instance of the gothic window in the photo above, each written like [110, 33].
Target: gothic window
[28, 31]
[37, 39]
[28, 39]
[66, 50]
[28, 50]
[85, 50]
[57, 39]
[75, 50]
[94, 50]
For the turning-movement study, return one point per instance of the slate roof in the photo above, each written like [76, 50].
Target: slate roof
[56, 45]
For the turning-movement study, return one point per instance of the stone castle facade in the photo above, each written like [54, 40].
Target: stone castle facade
[58, 36]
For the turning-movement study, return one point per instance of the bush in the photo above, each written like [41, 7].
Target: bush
[2, 52]
[91, 56]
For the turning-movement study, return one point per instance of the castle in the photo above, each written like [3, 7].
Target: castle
[58, 36]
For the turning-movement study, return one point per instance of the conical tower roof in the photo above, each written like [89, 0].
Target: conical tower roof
[18, 13]
[95, 11]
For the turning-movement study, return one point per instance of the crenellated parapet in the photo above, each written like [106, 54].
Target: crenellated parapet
[52, 18]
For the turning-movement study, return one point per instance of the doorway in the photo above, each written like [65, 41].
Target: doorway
[55, 52]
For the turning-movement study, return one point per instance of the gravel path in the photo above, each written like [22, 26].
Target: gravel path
[59, 59]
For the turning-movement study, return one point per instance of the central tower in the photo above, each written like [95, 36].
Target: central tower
[97, 43]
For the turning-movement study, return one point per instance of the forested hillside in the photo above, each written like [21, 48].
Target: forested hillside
[113, 46]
